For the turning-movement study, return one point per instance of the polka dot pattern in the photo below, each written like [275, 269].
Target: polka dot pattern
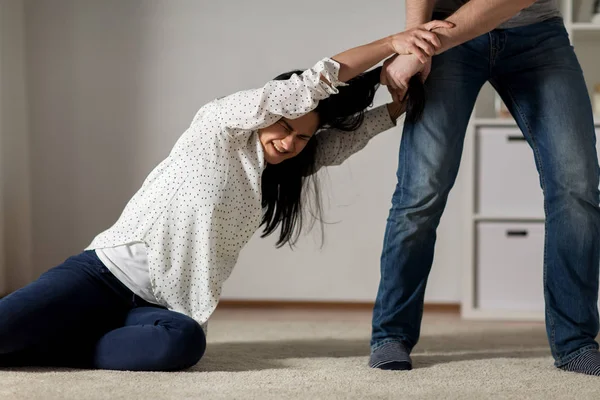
[335, 146]
[198, 208]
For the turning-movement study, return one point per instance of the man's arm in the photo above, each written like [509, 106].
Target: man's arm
[476, 18]
[359, 59]
[473, 19]
[418, 12]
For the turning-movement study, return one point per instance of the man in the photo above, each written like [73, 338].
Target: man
[522, 48]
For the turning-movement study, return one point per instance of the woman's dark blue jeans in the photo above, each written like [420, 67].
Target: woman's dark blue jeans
[80, 315]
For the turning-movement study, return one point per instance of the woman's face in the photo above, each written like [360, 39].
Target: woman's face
[287, 137]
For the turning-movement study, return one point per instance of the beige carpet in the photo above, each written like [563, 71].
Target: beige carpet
[323, 356]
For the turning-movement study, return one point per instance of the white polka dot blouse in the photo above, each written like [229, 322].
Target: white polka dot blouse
[199, 207]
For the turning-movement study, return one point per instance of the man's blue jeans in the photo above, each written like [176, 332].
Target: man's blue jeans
[80, 315]
[537, 74]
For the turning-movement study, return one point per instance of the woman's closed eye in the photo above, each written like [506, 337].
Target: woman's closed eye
[290, 130]
[285, 126]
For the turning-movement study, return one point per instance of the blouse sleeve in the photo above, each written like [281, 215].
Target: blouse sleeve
[291, 98]
[335, 146]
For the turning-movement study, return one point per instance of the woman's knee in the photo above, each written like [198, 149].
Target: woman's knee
[194, 342]
[187, 344]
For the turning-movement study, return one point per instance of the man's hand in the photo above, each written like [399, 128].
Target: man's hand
[419, 41]
[426, 70]
[414, 49]
[397, 71]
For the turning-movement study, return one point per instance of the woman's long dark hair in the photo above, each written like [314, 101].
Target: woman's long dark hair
[416, 99]
[284, 184]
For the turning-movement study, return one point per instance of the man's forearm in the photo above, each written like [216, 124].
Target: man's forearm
[418, 12]
[476, 18]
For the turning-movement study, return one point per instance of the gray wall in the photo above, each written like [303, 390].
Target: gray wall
[113, 83]
[15, 206]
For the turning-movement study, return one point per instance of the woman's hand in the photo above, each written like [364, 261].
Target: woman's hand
[396, 109]
[396, 73]
[419, 41]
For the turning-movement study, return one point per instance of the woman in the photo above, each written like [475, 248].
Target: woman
[139, 297]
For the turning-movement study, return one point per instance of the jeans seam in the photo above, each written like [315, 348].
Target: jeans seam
[386, 341]
[402, 168]
[534, 147]
[383, 280]
[502, 41]
[492, 52]
[565, 360]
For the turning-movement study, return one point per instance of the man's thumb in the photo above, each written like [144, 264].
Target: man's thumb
[438, 24]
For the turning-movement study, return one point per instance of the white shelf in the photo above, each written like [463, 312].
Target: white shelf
[585, 35]
[494, 122]
[506, 218]
[509, 121]
[501, 315]
[585, 26]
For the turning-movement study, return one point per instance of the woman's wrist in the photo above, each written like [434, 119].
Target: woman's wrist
[359, 59]
[389, 41]
[395, 110]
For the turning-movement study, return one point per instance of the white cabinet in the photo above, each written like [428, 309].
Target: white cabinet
[507, 180]
[504, 235]
[504, 278]
[510, 266]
